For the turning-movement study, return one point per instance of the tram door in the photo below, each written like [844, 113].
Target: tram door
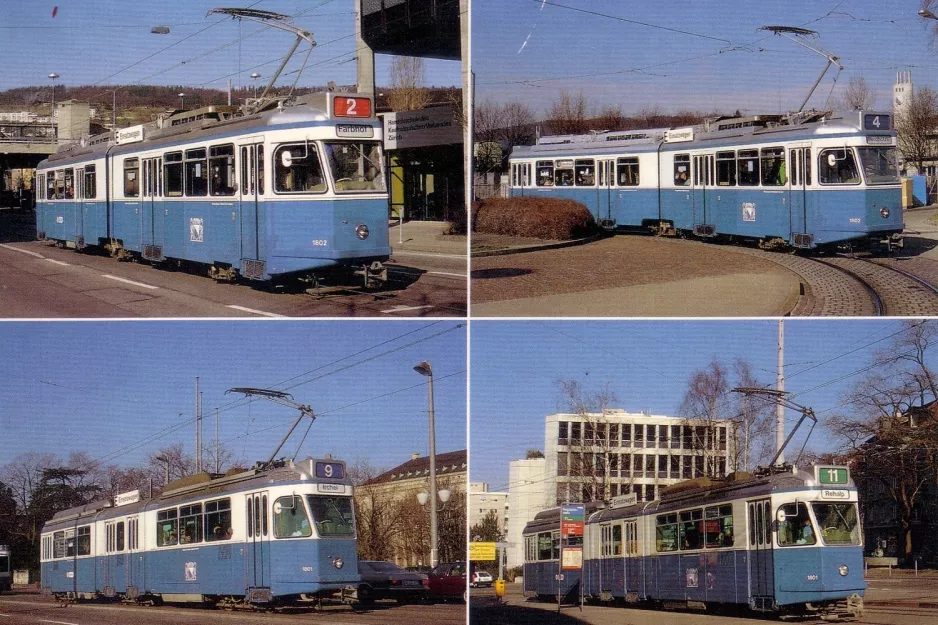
[134, 569]
[257, 553]
[606, 196]
[252, 190]
[799, 177]
[79, 206]
[153, 226]
[761, 565]
[704, 218]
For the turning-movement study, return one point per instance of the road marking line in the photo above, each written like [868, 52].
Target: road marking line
[431, 254]
[57, 622]
[444, 273]
[16, 249]
[256, 312]
[404, 308]
[58, 262]
[119, 279]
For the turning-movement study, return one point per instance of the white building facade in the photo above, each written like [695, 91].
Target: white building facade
[525, 499]
[601, 456]
[483, 502]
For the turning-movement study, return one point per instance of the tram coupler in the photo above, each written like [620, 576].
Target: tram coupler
[894, 242]
[374, 275]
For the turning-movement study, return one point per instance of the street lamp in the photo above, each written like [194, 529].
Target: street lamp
[927, 14]
[182, 101]
[165, 462]
[52, 77]
[424, 368]
[254, 77]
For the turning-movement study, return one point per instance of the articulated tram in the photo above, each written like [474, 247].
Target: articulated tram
[804, 181]
[293, 190]
[783, 540]
[280, 534]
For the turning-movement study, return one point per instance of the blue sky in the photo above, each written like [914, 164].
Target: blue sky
[515, 366]
[693, 55]
[89, 41]
[100, 387]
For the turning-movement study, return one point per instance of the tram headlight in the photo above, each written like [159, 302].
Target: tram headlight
[884, 211]
[844, 569]
[362, 231]
[339, 563]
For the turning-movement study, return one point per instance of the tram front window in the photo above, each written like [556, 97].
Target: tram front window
[880, 165]
[796, 528]
[838, 523]
[356, 166]
[332, 515]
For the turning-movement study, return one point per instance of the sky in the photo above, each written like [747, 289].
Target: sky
[516, 365]
[108, 42]
[699, 56]
[115, 390]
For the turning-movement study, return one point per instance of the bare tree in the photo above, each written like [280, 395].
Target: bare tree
[590, 441]
[705, 402]
[518, 123]
[611, 118]
[916, 125]
[857, 96]
[171, 462]
[407, 92]
[568, 114]
[891, 434]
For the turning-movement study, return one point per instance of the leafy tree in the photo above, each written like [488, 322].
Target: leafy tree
[533, 453]
[486, 530]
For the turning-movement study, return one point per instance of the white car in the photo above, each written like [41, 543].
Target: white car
[480, 579]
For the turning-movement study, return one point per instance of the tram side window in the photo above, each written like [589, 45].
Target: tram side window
[563, 174]
[218, 520]
[681, 170]
[747, 167]
[585, 172]
[69, 191]
[196, 173]
[612, 540]
[797, 528]
[83, 541]
[166, 526]
[530, 548]
[40, 187]
[131, 177]
[58, 545]
[297, 169]
[838, 166]
[627, 171]
[90, 187]
[666, 532]
[52, 185]
[190, 524]
[807, 166]
[290, 518]
[545, 173]
[718, 526]
[172, 174]
[120, 536]
[47, 547]
[222, 165]
[544, 546]
[773, 167]
[726, 169]
[691, 527]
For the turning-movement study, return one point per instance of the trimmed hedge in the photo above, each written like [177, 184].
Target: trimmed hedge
[535, 217]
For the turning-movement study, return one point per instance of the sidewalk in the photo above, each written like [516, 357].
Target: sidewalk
[426, 237]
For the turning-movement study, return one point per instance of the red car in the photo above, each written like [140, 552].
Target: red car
[448, 581]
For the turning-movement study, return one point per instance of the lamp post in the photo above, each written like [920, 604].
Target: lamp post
[52, 77]
[424, 368]
[254, 77]
[165, 462]
[182, 101]
[927, 14]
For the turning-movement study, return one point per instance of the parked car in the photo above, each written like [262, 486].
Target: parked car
[481, 579]
[386, 580]
[448, 581]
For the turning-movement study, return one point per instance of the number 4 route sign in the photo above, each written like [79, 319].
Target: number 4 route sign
[833, 475]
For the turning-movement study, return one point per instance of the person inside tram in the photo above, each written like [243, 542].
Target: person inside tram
[807, 533]
[303, 529]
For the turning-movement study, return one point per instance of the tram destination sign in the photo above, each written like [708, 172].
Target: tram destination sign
[355, 131]
[832, 475]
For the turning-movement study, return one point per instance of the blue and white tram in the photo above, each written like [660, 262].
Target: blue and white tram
[270, 536]
[818, 180]
[788, 543]
[6, 570]
[296, 190]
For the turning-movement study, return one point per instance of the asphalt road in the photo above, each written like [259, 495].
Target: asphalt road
[24, 609]
[39, 280]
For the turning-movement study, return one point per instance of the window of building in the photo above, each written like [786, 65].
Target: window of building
[588, 434]
[172, 174]
[575, 428]
[639, 435]
[638, 469]
[614, 465]
[627, 171]
[626, 434]
[196, 173]
[748, 168]
[562, 467]
[688, 437]
[563, 430]
[649, 492]
[675, 437]
[687, 467]
[585, 172]
[650, 460]
[675, 467]
[625, 466]
[662, 466]
[698, 466]
[651, 436]
[721, 433]
[613, 434]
